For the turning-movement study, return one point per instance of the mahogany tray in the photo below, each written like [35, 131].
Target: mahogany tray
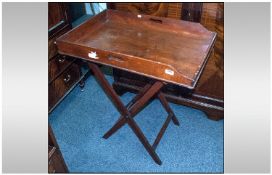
[166, 49]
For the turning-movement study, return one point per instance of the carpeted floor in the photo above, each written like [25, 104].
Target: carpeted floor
[80, 121]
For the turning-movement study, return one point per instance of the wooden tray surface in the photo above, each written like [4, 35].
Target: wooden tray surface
[166, 49]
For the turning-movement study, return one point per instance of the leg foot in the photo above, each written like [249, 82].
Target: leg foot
[175, 120]
[143, 140]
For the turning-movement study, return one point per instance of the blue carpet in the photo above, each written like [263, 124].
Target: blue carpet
[79, 122]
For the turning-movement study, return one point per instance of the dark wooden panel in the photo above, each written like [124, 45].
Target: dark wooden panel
[55, 15]
[58, 17]
[154, 9]
[62, 84]
[59, 23]
[219, 28]
[191, 12]
[208, 17]
[211, 83]
[170, 10]
[52, 48]
[52, 98]
[174, 10]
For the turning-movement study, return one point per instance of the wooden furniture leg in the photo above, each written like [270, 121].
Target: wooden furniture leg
[133, 107]
[167, 108]
[121, 121]
[108, 89]
[136, 106]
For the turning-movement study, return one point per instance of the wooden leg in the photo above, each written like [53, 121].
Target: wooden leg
[121, 121]
[167, 108]
[144, 141]
[132, 108]
[138, 102]
[108, 89]
[138, 96]
[163, 129]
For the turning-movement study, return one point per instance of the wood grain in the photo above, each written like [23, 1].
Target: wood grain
[145, 45]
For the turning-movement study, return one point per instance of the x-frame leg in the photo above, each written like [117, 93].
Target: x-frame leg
[122, 121]
[129, 111]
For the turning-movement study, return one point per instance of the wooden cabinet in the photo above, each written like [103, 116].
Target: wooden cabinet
[57, 17]
[63, 72]
[208, 95]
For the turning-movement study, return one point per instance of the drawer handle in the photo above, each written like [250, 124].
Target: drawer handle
[67, 79]
[61, 60]
[112, 58]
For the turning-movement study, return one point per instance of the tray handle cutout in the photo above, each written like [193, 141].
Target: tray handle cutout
[114, 58]
[156, 20]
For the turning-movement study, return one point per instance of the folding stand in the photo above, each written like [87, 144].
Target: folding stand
[129, 111]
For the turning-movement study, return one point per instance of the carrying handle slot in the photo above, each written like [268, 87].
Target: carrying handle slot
[114, 58]
[156, 20]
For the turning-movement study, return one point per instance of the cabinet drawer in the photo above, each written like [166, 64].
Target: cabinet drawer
[57, 65]
[62, 84]
[66, 80]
